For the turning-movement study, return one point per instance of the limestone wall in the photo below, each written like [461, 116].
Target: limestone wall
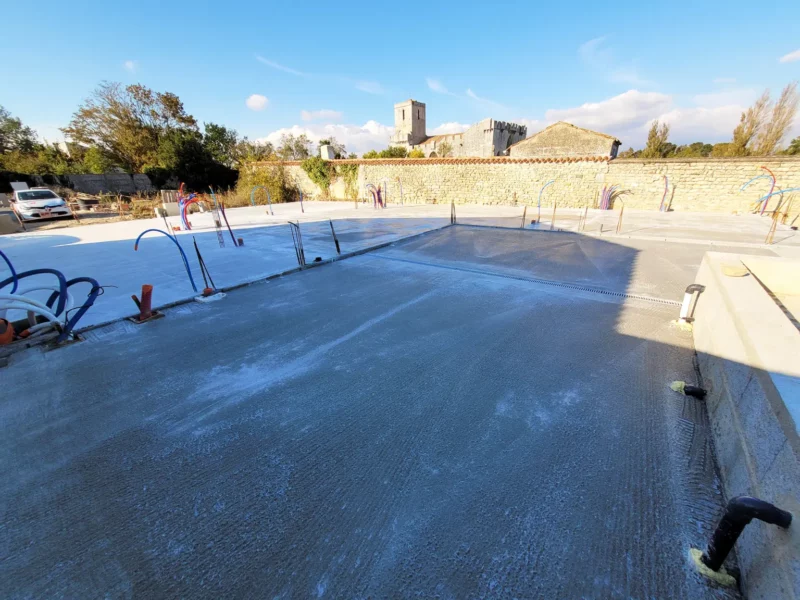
[695, 184]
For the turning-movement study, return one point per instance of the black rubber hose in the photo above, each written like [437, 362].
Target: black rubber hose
[738, 514]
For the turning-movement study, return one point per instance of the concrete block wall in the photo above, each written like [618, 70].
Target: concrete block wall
[703, 185]
[745, 348]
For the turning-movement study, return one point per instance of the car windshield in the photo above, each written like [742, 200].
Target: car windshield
[36, 195]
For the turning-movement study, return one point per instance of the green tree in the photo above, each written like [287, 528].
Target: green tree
[721, 150]
[445, 149]
[782, 117]
[293, 147]
[14, 135]
[657, 140]
[794, 147]
[95, 161]
[221, 143]
[750, 124]
[128, 122]
[370, 154]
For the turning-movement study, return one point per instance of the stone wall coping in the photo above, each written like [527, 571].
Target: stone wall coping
[554, 159]
[500, 160]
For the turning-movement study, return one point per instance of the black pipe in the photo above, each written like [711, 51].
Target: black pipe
[738, 514]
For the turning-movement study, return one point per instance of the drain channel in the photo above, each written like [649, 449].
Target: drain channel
[550, 282]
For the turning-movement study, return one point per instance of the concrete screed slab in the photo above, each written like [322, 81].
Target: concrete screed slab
[371, 428]
[105, 251]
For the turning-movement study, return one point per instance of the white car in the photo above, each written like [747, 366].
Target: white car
[39, 203]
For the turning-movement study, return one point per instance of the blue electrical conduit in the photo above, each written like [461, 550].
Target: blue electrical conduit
[541, 191]
[779, 192]
[13, 272]
[94, 292]
[59, 296]
[62, 284]
[175, 241]
[253, 197]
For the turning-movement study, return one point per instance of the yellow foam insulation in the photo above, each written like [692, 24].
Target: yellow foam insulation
[722, 577]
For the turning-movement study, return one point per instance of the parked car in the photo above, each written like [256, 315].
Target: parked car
[39, 203]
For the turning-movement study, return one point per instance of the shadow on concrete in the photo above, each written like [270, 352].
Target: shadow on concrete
[424, 420]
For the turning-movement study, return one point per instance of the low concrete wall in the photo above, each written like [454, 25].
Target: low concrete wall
[749, 355]
[697, 184]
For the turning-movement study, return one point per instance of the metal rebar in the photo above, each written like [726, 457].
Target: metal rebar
[553, 222]
[335, 239]
[524, 213]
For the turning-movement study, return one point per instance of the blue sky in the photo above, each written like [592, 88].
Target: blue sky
[337, 68]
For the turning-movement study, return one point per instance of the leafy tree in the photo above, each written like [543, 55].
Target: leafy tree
[445, 149]
[127, 123]
[221, 143]
[721, 150]
[783, 113]
[390, 152]
[750, 124]
[14, 135]
[696, 149]
[339, 151]
[416, 153]
[247, 151]
[44, 160]
[794, 147]
[95, 161]
[294, 147]
[182, 153]
[657, 137]
[629, 153]
[370, 154]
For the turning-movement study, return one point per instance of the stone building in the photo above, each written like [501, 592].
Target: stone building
[565, 139]
[485, 138]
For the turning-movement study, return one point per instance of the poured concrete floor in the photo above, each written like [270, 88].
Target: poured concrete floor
[387, 426]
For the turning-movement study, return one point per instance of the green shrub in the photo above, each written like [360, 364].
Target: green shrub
[320, 172]
[272, 176]
[350, 175]
[416, 153]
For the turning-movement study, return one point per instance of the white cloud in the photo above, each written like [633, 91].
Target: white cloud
[356, 138]
[710, 117]
[600, 59]
[320, 115]
[131, 65]
[619, 112]
[737, 97]
[451, 127]
[791, 57]
[485, 101]
[725, 80]
[280, 67]
[437, 86]
[257, 102]
[370, 87]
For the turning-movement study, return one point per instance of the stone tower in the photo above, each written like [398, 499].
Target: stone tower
[409, 123]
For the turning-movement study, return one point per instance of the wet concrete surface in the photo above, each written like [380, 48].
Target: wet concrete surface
[372, 428]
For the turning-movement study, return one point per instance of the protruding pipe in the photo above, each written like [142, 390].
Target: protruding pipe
[738, 514]
[146, 303]
[690, 301]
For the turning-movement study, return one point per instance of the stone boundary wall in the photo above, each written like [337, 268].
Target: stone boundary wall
[696, 184]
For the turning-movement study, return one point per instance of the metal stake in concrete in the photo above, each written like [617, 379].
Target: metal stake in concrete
[553, 222]
[524, 212]
[335, 239]
[619, 222]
